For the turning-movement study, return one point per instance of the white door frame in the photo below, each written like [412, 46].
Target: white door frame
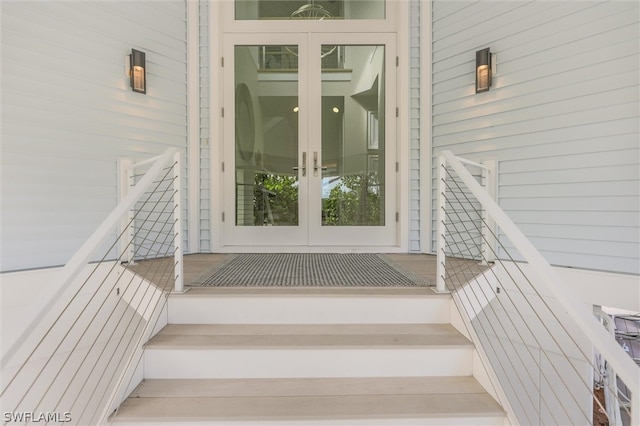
[220, 22]
[310, 231]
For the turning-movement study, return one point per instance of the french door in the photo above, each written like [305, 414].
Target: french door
[309, 140]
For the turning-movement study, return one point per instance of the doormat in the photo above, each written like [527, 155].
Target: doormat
[309, 270]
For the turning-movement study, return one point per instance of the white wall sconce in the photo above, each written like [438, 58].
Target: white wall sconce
[485, 69]
[137, 71]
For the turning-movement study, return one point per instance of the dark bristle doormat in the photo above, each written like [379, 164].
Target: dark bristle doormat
[308, 270]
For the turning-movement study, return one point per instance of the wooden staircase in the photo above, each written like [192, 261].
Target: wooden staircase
[302, 356]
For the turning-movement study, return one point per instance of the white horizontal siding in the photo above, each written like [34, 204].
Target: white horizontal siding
[561, 118]
[68, 114]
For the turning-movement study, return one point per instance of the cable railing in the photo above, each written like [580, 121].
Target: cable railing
[536, 339]
[80, 358]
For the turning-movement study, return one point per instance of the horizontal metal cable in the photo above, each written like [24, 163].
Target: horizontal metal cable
[114, 351]
[521, 337]
[532, 287]
[93, 344]
[140, 320]
[135, 364]
[84, 331]
[466, 201]
[501, 325]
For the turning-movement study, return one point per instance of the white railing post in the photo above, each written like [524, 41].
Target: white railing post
[488, 225]
[125, 182]
[177, 226]
[441, 216]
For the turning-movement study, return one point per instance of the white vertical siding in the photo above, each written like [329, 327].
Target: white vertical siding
[415, 133]
[68, 114]
[562, 119]
[205, 137]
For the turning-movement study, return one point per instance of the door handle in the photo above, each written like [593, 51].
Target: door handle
[315, 164]
[304, 164]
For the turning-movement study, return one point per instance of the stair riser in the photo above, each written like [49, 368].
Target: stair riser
[300, 363]
[438, 421]
[308, 310]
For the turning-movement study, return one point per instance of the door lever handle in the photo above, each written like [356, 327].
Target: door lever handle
[315, 164]
[304, 165]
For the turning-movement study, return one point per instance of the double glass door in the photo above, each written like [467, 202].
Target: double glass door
[309, 148]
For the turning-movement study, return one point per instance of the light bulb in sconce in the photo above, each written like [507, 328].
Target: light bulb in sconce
[138, 79]
[483, 70]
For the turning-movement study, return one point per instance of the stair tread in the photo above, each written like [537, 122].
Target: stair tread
[306, 335]
[316, 386]
[290, 399]
[308, 329]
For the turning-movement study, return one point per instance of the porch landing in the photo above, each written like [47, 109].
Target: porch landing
[418, 268]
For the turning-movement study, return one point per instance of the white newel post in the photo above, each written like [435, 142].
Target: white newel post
[488, 225]
[440, 226]
[177, 226]
[125, 182]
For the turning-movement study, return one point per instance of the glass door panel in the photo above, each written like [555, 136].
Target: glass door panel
[352, 196]
[264, 171]
[309, 148]
[266, 130]
[353, 139]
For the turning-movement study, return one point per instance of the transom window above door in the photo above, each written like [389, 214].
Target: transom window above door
[309, 9]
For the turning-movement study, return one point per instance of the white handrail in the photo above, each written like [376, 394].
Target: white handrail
[143, 162]
[82, 256]
[623, 365]
[472, 163]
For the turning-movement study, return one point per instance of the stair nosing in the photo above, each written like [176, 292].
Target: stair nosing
[310, 336]
[330, 407]
[221, 387]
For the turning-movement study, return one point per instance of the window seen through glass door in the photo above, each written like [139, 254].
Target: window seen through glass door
[309, 9]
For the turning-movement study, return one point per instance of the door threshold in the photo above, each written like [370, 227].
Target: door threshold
[309, 249]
